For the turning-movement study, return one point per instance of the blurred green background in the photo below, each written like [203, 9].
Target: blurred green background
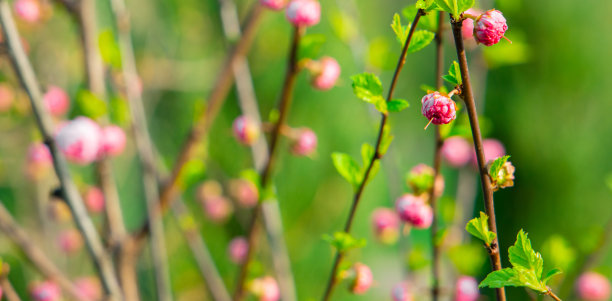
[544, 97]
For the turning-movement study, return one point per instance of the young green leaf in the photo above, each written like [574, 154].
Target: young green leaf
[367, 153]
[401, 32]
[496, 166]
[90, 105]
[446, 5]
[397, 105]
[343, 241]
[522, 255]
[386, 140]
[551, 274]
[347, 168]
[420, 40]
[368, 88]
[109, 49]
[501, 278]
[479, 228]
[424, 4]
[454, 74]
[465, 5]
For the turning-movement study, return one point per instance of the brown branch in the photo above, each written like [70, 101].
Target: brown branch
[7, 288]
[26, 75]
[470, 104]
[266, 175]
[331, 284]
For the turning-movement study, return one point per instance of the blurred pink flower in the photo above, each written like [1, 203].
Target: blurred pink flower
[466, 289]
[246, 130]
[592, 286]
[456, 151]
[39, 160]
[304, 12]
[244, 192]
[385, 224]
[274, 4]
[238, 249]
[113, 140]
[80, 140]
[28, 10]
[89, 288]
[492, 149]
[6, 97]
[56, 101]
[45, 291]
[325, 73]
[414, 210]
[218, 209]
[305, 144]
[363, 279]
[94, 199]
[265, 288]
[400, 292]
[70, 241]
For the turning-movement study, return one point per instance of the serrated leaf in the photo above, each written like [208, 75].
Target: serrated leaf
[424, 4]
[420, 40]
[386, 140]
[401, 32]
[497, 165]
[397, 105]
[521, 254]
[109, 49]
[347, 168]
[310, 45]
[479, 228]
[551, 274]
[444, 5]
[343, 241]
[368, 88]
[455, 71]
[501, 278]
[367, 154]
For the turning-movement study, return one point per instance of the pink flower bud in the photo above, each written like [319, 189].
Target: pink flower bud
[94, 199]
[325, 73]
[218, 209]
[28, 10]
[456, 151]
[400, 292]
[113, 140]
[246, 130]
[56, 101]
[363, 279]
[89, 288]
[592, 286]
[39, 160]
[414, 210]
[6, 97]
[304, 12]
[45, 291]
[80, 140]
[467, 30]
[305, 144]
[209, 189]
[466, 289]
[244, 192]
[385, 223]
[490, 27]
[274, 4]
[438, 108]
[70, 241]
[238, 249]
[492, 149]
[265, 288]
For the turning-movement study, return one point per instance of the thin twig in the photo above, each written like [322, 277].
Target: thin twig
[271, 217]
[468, 97]
[7, 288]
[26, 75]
[266, 174]
[331, 284]
[435, 265]
[144, 147]
[35, 254]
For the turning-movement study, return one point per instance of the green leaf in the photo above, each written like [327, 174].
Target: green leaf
[401, 32]
[252, 176]
[343, 241]
[501, 278]
[347, 168]
[551, 274]
[397, 105]
[109, 50]
[479, 228]
[386, 140]
[368, 88]
[193, 172]
[420, 40]
[497, 165]
[522, 255]
[445, 5]
[119, 111]
[88, 104]
[367, 154]
[310, 46]
[424, 4]
[465, 5]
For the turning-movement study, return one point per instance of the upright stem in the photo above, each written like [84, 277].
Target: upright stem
[144, 146]
[333, 280]
[435, 265]
[272, 221]
[470, 104]
[5, 284]
[26, 75]
[200, 129]
[266, 174]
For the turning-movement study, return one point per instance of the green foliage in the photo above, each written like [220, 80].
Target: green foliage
[119, 112]
[367, 87]
[420, 40]
[310, 46]
[397, 105]
[479, 228]
[343, 241]
[348, 168]
[497, 165]
[526, 271]
[109, 50]
[252, 176]
[90, 105]
[455, 7]
[468, 259]
[193, 172]
[386, 140]
[454, 75]
[401, 32]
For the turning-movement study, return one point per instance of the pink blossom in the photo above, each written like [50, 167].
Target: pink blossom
[385, 224]
[45, 291]
[6, 97]
[363, 279]
[592, 286]
[28, 10]
[467, 30]
[456, 151]
[400, 292]
[238, 249]
[438, 108]
[490, 27]
[56, 101]
[305, 144]
[414, 210]
[274, 4]
[492, 149]
[89, 288]
[70, 241]
[39, 160]
[466, 289]
[265, 288]
[94, 199]
[246, 130]
[325, 73]
[80, 140]
[218, 209]
[113, 140]
[304, 12]
[244, 192]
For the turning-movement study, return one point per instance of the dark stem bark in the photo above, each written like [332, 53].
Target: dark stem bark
[266, 175]
[436, 264]
[333, 280]
[470, 104]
